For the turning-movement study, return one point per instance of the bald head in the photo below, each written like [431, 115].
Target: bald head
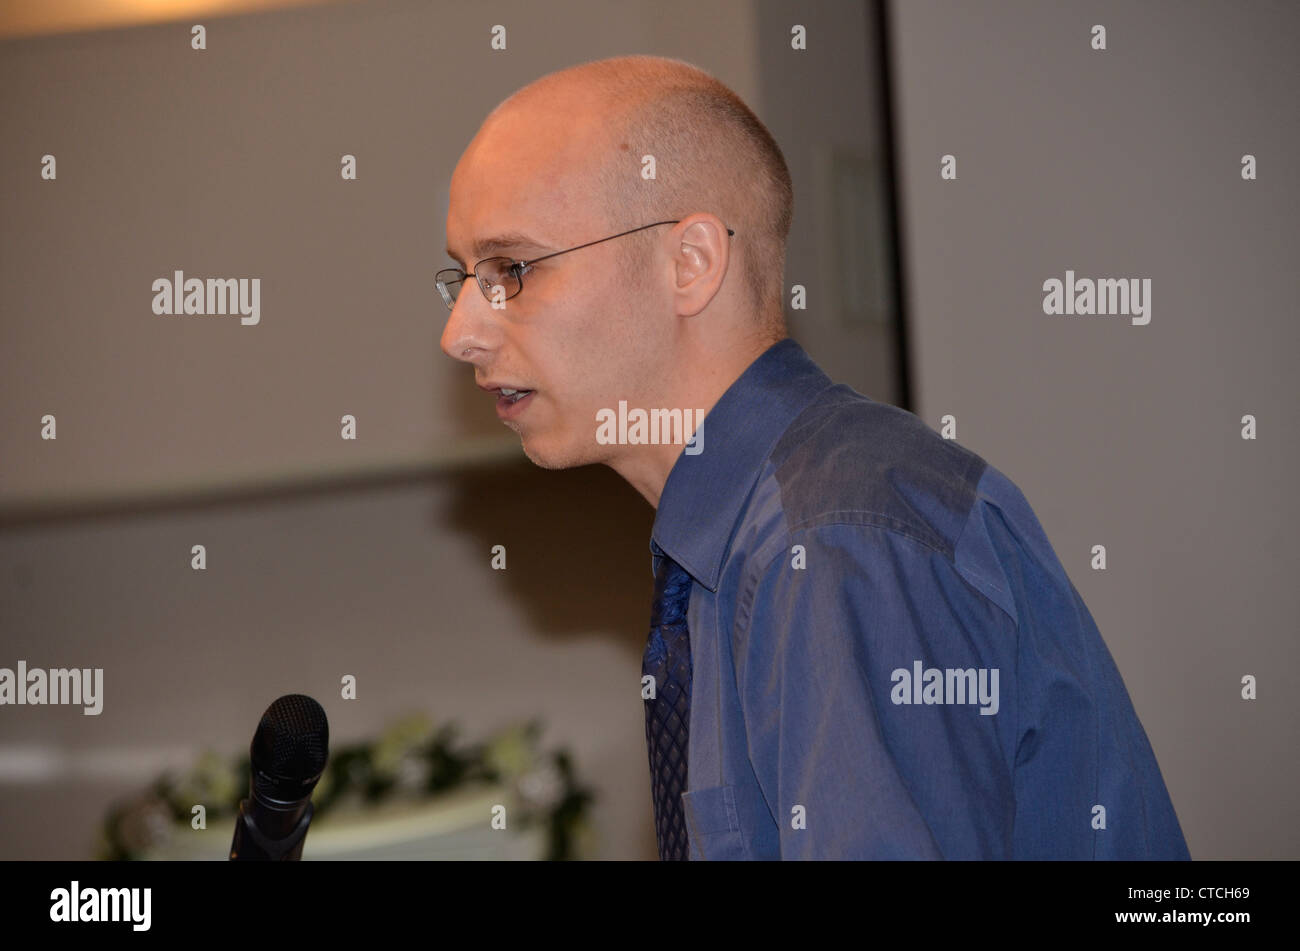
[710, 154]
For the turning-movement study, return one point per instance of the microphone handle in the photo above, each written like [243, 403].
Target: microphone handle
[251, 844]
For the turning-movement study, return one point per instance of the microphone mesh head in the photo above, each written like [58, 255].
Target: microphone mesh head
[292, 741]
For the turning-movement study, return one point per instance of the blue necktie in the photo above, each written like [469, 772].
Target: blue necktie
[668, 716]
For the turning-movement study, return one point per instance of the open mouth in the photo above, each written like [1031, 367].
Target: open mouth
[512, 402]
[510, 396]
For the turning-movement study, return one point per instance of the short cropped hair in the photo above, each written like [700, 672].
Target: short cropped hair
[711, 153]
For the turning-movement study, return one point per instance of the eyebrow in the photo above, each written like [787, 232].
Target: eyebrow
[487, 247]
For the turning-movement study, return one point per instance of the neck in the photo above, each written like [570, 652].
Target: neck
[646, 467]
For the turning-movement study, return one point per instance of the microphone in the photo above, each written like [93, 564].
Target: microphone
[288, 755]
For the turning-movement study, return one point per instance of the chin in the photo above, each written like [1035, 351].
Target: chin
[549, 456]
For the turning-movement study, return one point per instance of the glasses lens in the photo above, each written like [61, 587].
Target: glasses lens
[497, 272]
[448, 282]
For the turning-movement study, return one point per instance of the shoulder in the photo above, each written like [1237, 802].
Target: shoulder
[848, 459]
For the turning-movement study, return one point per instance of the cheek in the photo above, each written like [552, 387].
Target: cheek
[587, 349]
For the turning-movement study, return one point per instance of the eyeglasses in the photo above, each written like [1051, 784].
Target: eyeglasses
[508, 273]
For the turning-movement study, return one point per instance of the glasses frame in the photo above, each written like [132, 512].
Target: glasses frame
[521, 267]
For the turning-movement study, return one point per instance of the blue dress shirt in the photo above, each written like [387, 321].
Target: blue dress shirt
[889, 659]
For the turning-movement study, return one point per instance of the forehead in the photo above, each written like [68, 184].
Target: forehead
[527, 175]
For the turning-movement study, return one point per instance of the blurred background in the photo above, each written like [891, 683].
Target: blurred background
[372, 558]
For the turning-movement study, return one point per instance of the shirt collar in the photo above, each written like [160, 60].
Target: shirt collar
[704, 494]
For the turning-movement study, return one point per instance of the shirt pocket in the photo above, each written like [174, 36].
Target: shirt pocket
[713, 823]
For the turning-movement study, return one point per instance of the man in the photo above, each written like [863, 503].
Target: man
[863, 646]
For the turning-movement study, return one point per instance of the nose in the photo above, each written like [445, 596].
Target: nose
[466, 336]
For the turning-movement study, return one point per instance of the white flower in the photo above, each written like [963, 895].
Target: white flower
[543, 787]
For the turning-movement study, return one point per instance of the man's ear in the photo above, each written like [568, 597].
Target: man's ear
[702, 253]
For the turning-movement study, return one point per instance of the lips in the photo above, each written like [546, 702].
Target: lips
[511, 399]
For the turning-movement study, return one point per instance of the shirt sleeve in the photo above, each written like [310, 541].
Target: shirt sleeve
[850, 760]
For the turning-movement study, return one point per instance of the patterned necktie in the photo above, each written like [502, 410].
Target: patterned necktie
[667, 717]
